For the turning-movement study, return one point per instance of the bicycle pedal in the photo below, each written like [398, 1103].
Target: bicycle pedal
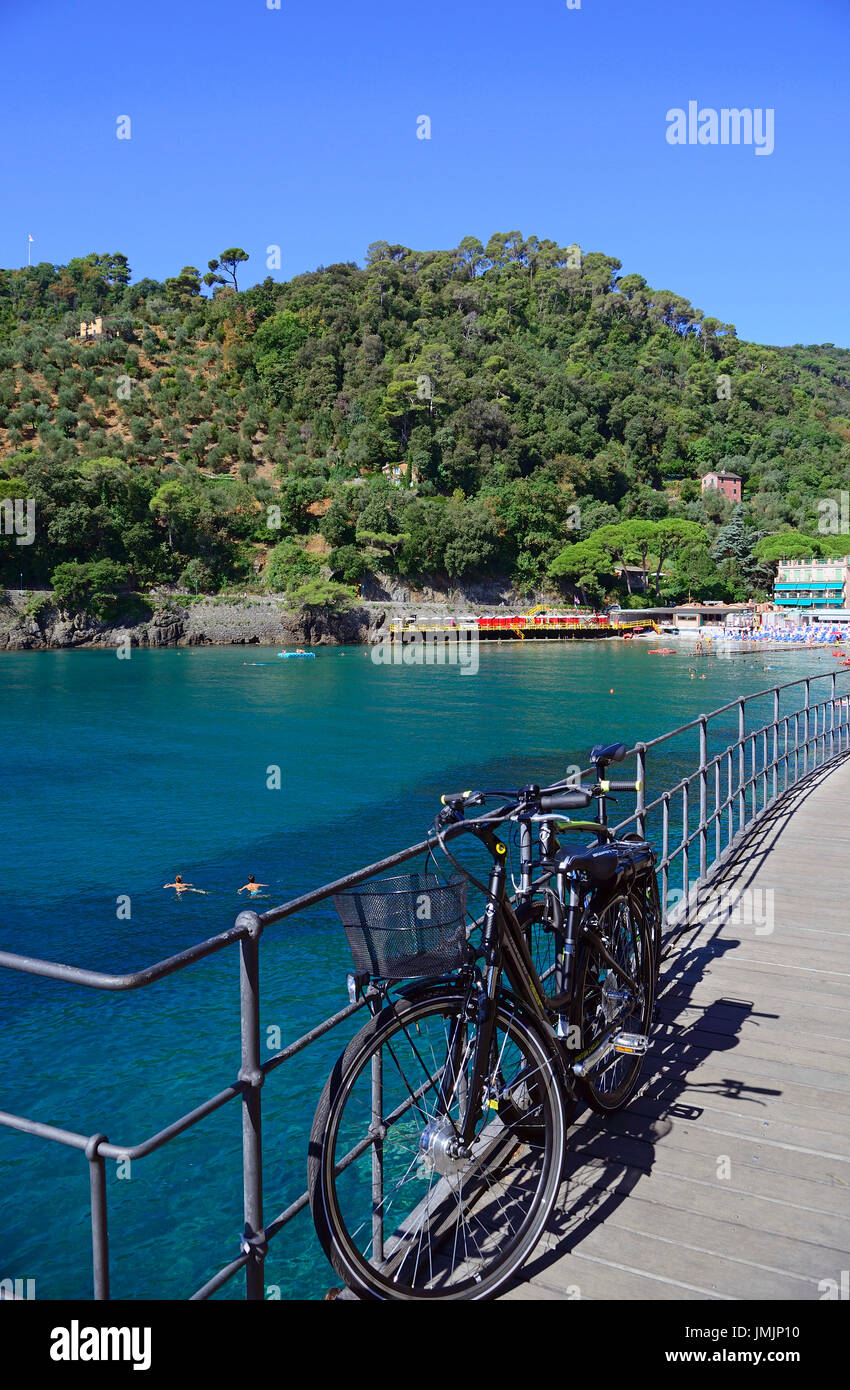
[635, 1044]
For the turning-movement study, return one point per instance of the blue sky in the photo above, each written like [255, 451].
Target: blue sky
[297, 127]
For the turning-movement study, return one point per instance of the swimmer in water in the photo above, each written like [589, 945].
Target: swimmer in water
[182, 887]
[252, 886]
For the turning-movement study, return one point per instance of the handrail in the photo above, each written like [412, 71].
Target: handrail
[772, 747]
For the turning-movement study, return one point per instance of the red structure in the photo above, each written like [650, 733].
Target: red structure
[727, 483]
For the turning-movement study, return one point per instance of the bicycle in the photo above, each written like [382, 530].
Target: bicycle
[552, 923]
[438, 1143]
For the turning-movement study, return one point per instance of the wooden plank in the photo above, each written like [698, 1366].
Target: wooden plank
[682, 1267]
[747, 1150]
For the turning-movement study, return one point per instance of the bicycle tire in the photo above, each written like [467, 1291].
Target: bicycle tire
[596, 1007]
[440, 1241]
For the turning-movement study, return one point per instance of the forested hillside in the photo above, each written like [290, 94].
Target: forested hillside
[514, 409]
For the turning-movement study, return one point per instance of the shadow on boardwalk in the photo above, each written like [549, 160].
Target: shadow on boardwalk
[609, 1159]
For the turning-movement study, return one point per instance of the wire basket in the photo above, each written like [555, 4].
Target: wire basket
[405, 927]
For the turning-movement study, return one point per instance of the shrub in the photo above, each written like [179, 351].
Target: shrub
[90, 587]
[37, 605]
[198, 576]
[322, 593]
[347, 563]
[288, 565]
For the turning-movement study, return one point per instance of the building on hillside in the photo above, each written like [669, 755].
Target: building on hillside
[93, 329]
[636, 578]
[805, 585]
[729, 484]
[396, 472]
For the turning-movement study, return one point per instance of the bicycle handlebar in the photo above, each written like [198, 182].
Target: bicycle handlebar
[570, 799]
[533, 798]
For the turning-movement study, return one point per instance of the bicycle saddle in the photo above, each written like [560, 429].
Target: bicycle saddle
[604, 753]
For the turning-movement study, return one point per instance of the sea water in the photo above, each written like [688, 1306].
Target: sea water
[218, 763]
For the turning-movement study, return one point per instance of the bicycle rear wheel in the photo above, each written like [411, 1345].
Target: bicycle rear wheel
[604, 1005]
[400, 1214]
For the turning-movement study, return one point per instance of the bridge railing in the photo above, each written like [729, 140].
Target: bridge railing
[778, 737]
[717, 796]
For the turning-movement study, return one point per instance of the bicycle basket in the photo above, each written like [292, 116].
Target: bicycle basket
[405, 927]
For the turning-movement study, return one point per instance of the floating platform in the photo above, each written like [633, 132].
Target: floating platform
[530, 627]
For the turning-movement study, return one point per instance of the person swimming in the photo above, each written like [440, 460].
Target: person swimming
[252, 886]
[182, 887]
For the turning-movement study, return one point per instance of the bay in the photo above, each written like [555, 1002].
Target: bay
[118, 774]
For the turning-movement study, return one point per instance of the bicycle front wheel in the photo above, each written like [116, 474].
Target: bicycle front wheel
[400, 1213]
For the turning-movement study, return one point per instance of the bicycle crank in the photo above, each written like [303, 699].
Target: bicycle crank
[616, 1044]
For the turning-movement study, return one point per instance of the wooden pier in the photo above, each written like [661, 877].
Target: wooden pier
[728, 1175]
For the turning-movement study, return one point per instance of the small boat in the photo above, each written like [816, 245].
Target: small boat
[309, 656]
[661, 651]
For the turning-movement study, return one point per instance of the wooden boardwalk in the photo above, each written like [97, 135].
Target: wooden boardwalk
[728, 1175]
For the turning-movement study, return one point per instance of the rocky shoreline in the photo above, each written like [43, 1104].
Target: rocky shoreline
[31, 622]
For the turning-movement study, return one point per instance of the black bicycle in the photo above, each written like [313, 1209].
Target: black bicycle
[438, 1143]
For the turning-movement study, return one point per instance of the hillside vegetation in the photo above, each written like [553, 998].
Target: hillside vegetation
[515, 409]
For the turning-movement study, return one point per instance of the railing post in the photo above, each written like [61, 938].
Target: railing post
[99, 1225]
[806, 731]
[832, 717]
[665, 850]
[775, 740]
[686, 829]
[742, 765]
[764, 762]
[253, 1239]
[703, 797]
[717, 828]
[640, 807]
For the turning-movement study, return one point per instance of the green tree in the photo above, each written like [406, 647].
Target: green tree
[228, 262]
[326, 594]
[171, 505]
[670, 537]
[587, 565]
[89, 587]
[288, 565]
[348, 564]
[788, 545]
[185, 287]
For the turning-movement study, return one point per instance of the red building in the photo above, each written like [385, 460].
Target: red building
[727, 483]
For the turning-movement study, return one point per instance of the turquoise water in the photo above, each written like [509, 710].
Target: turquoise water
[119, 774]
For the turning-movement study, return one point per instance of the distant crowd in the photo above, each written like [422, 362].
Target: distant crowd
[780, 632]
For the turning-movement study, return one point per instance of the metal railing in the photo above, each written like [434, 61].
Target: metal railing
[720, 798]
